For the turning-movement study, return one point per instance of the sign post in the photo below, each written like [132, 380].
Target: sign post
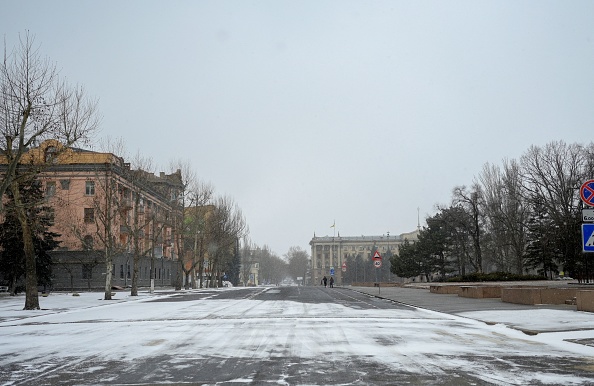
[587, 195]
[377, 263]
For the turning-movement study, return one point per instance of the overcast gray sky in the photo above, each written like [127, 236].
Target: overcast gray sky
[310, 112]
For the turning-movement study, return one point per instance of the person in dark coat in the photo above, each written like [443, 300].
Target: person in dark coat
[331, 282]
[325, 281]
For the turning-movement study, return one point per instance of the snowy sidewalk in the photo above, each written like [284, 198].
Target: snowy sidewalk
[527, 318]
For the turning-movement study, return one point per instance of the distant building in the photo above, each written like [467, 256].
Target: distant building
[96, 195]
[330, 253]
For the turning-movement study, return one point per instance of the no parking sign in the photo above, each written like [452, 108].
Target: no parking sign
[587, 192]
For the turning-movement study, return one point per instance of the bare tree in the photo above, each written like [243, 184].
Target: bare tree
[198, 195]
[273, 269]
[188, 179]
[35, 105]
[98, 230]
[247, 260]
[225, 225]
[506, 214]
[139, 177]
[298, 260]
[463, 221]
[552, 176]
[108, 204]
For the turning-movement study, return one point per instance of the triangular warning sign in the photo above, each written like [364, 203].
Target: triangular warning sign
[590, 242]
[377, 255]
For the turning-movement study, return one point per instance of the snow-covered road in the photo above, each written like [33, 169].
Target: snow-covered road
[248, 336]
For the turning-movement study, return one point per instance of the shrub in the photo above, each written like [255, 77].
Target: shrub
[494, 276]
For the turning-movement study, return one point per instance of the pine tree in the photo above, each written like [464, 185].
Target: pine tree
[41, 218]
[407, 263]
[234, 266]
[541, 250]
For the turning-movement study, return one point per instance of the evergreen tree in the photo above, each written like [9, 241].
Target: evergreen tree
[41, 218]
[234, 266]
[407, 263]
[434, 242]
[542, 250]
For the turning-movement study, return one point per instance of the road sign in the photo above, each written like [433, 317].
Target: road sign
[377, 256]
[587, 192]
[588, 215]
[332, 271]
[377, 263]
[344, 267]
[588, 237]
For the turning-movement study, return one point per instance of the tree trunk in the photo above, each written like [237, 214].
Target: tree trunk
[32, 295]
[178, 275]
[108, 275]
[135, 264]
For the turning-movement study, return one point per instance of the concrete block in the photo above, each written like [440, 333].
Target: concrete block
[480, 292]
[556, 295]
[585, 300]
[521, 295]
[445, 289]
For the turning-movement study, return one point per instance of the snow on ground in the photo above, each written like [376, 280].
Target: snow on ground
[549, 320]
[409, 340]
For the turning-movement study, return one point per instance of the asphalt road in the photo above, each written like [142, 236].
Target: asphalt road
[283, 335]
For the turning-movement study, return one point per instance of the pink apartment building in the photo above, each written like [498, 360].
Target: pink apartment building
[101, 205]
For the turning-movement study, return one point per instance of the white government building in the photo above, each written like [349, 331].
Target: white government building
[329, 253]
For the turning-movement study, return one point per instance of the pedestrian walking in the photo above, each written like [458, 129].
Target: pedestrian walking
[331, 282]
[325, 281]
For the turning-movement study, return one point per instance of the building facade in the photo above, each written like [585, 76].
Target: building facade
[103, 207]
[329, 254]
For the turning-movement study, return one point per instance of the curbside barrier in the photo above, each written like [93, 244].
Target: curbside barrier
[585, 300]
[480, 292]
[536, 295]
[445, 289]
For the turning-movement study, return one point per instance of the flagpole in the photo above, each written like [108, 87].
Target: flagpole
[332, 262]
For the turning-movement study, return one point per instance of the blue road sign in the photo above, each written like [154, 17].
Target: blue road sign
[332, 271]
[588, 237]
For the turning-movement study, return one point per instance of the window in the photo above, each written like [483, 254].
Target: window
[121, 271]
[50, 155]
[65, 184]
[88, 243]
[90, 188]
[50, 189]
[87, 271]
[89, 215]
[128, 271]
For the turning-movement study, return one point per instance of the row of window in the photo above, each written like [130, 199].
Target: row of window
[87, 272]
[354, 248]
[50, 187]
[50, 191]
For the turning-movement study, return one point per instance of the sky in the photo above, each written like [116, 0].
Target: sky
[68, 331]
[365, 114]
